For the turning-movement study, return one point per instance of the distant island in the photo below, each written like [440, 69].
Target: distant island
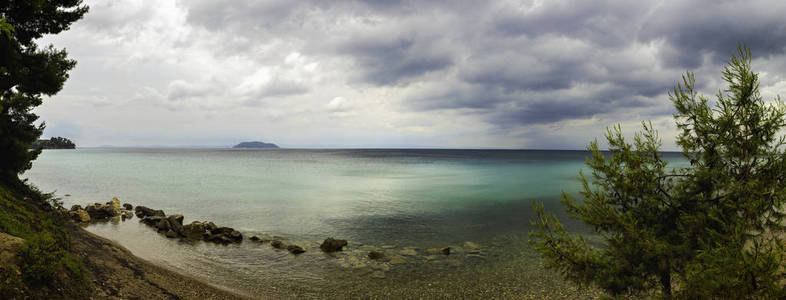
[256, 145]
[54, 143]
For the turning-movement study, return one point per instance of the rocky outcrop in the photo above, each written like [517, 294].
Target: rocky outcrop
[142, 212]
[79, 215]
[332, 245]
[194, 231]
[376, 255]
[99, 211]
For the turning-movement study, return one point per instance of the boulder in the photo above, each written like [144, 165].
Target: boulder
[163, 225]
[376, 255]
[152, 220]
[171, 234]
[218, 238]
[210, 226]
[230, 233]
[176, 222]
[128, 206]
[115, 204]
[295, 249]
[79, 215]
[194, 231]
[445, 250]
[126, 214]
[76, 207]
[332, 245]
[101, 211]
[277, 244]
[142, 212]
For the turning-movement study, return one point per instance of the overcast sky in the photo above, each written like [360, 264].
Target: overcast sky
[375, 73]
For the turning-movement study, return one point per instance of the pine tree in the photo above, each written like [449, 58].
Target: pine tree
[713, 229]
[28, 72]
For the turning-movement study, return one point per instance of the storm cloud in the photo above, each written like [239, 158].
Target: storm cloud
[417, 73]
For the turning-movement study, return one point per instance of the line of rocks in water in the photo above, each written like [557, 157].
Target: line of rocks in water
[172, 227]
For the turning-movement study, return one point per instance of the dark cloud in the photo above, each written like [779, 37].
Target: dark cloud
[694, 29]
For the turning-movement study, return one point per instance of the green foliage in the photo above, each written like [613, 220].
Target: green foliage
[40, 258]
[28, 72]
[713, 229]
[53, 143]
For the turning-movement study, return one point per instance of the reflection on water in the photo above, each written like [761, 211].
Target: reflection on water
[395, 201]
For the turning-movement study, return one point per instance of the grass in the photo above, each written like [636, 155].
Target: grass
[45, 260]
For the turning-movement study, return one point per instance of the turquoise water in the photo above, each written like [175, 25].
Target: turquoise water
[377, 199]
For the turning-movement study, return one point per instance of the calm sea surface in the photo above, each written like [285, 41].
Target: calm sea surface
[393, 201]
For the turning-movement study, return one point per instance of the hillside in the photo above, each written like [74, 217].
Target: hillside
[256, 144]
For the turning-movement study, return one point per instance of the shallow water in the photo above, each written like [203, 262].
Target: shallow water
[395, 201]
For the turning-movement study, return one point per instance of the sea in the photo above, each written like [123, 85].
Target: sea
[404, 203]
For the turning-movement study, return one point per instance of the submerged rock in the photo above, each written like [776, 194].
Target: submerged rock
[376, 255]
[277, 244]
[472, 248]
[295, 249]
[332, 245]
[397, 260]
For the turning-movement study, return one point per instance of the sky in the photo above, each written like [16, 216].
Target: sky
[377, 74]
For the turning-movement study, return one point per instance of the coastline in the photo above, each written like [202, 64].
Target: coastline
[116, 273]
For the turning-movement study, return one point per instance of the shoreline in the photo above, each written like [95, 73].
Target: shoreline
[114, 272]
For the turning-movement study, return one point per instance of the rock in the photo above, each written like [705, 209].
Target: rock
[210, 226]
[218, 238]
[163, 225]
[67, 195]
[142, 212]
[409, 252]
[115, 204]
[176, 222]
[230, 233]
[126, 214]
[151, 220]
[295, 249]
[445, 250]
[431, 250]
[332, 245]
[397, 260]
[76, 207]
[380, 266]
[128, 206]
[471, 247]
[277, 244]
[376, 255]
[9, 249]
[255, 238]
[101, 211]
[79, 215]
[171, 234]
[194, 231]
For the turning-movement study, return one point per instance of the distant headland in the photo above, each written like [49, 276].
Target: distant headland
[54, 143]
[256, 144]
